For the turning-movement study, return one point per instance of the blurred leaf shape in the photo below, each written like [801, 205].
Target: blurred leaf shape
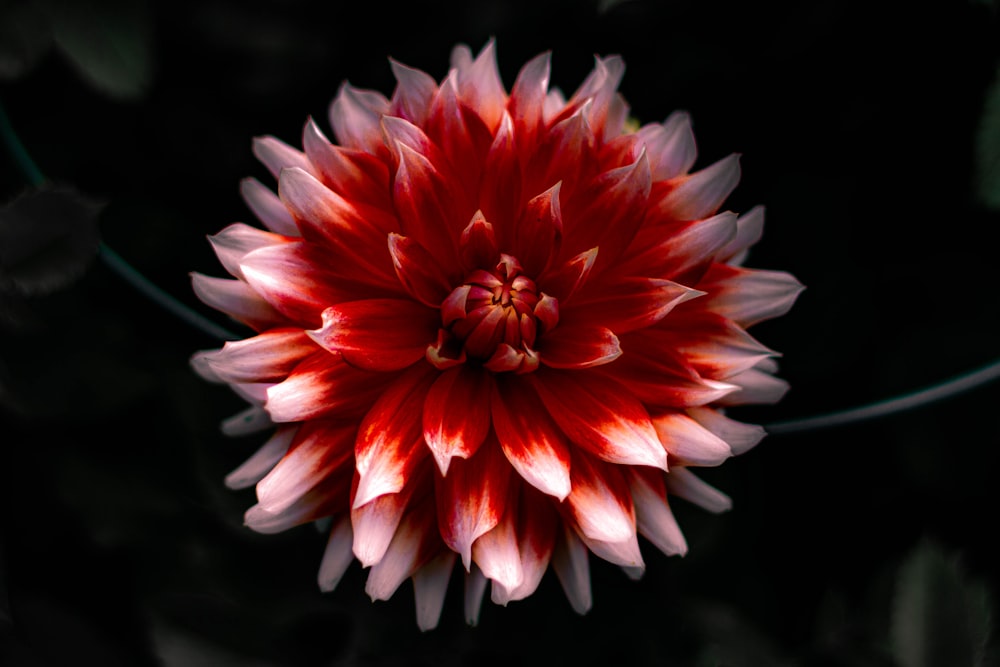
[939, 617]
[108, 41]
[988, 147]
[48, 238]
[24, 37]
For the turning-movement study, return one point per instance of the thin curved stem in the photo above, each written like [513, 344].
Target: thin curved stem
[891, 406]
[109, 257]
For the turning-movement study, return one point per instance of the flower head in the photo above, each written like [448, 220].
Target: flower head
[496, 328]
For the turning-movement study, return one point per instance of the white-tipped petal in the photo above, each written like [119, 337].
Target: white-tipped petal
[654, 519]
[267, 207]
[749, 229]
[702, 193]
[756, 386]
[246, 422]
[683, 483]
[475, 588]
[263, 460]
[276, 155]
[688, 441]
[569, 560]
[741, 437]
[337, 557]
[430, 584]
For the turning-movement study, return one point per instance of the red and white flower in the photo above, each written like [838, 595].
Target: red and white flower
[496, 328]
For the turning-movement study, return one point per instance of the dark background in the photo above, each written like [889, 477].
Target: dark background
[858, 124]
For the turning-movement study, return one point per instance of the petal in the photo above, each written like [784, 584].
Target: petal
[475, 587]
[349, 172]
[601, 416]
[323, 500]
[527, 99]
[579, 347]
[654, 519]
[378, 334]
[570, 562]
[536, 534]
[497, 554]
[681, 253]
[263, 460]
[564, 280]
[319, 450]
[701, 194]
[430, 584]
[682, 483]
[277, 155]
[600, 504]
[323, 385]
[266, 357]
[713, 345]
[479, 83]
[478, 244]
[749, 229]
[471, 499]
[414, 544]
[457, 414]
[234, 242]
[688, 441]
[755, 386]
[424, 205]
[414, 91]
[390, 440]
[418, 271]
[531, 441]
[267, 207]
[749, 296]
[337, 556]
[538, 232]
[741, 437]
[252, 420]
[627, 304]
[376, 521]
[236, 299]
[355, 115]
[566, 153]
[671, 146]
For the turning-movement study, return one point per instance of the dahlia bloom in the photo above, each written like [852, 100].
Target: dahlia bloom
[492, 327]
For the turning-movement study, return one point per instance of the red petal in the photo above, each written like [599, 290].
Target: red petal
[378, 334]
[376, 521]
[479, 84]
[566, 154]
[681, 252]
[500, 186]
[471, 498]
[414, 91]
[478, 244]
[713, 345]
[701, 194]
[418, 271]
[534, 445]
[626, 304]
[601, 416]
[527, 99]
[578, 347]
[537, 525]
[538, 233]
[564, 280]
[457, 413]
[600, 503]
[391, 437]
[496, 552]
[349, 172]
[323, 384]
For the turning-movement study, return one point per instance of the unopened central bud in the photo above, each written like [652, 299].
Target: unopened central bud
[494, 318]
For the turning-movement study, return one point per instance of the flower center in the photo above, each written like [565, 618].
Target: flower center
[494, 318]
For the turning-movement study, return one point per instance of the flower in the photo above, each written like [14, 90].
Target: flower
[495, 328]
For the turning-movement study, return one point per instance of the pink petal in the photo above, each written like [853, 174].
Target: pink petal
[457, 414]
[390, 440]
[263, 460]
[749, 229]
[463, 139]
[536, 531]
[355, 116]
[671, 146]
[755, 386]
[600, 503]
[430, 584]
[682, 483]
[266, 357]
[414, 544]
[569, 560]
[319, 450]
[350, 173]
[321, 501]
[236, 299]
[531, 441]
[471, 499]
[701, 194]
[680, 253]
[277, 155]
[479, 82]
[654, 519]
[527, 99]
[627, 304]
[413, 94]
[376, 521]
[267, 207]
[497, 555]
[378, 334]
[713, 345]
[475, 587]
[688, 441]
[579, 347]
[749, 296]
[741, 437]
[601, 416]
[337, 556]
[235, 241]
[323, 385]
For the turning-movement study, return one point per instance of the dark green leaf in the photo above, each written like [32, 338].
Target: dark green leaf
[108, 41]
[988, 147]
[24, 37]
[48, 238]
[939, 616]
